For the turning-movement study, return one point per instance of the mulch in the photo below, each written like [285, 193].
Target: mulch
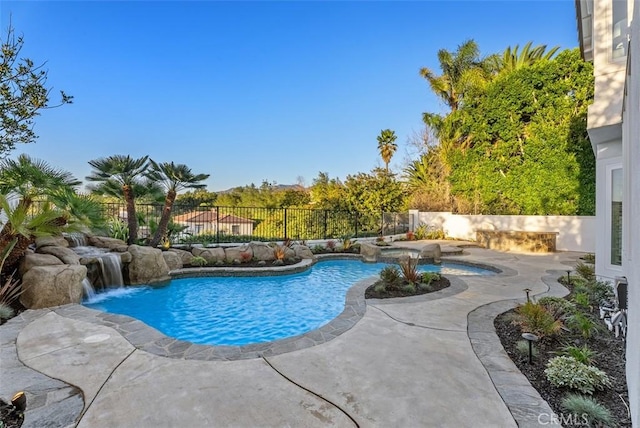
[610, 357]
[9, 416]
[435, 285]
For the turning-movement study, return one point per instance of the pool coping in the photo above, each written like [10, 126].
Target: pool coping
[134, 330]
[147, 338]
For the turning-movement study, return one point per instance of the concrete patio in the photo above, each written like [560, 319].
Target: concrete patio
[431, 360]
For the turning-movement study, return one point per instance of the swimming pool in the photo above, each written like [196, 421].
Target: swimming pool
[244, 310]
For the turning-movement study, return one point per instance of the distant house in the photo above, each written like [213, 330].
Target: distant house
[208, 222]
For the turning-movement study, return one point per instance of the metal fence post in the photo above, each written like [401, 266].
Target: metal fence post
[217, 225]
[285, 224]
[324, 234]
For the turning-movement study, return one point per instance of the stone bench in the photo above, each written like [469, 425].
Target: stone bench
[516, 240]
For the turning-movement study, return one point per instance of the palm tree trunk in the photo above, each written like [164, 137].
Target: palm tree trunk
[164, 219]
[132, 219]
[19, 250]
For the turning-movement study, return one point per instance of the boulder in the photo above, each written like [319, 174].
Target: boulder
[289, 253]
[262, 251]
[67, 256]
[105, 242]
[49, 241]
[125, 257]
[47, 286]
[185, 256]
[302, 252]
[173, 260]
[431, 251]
[32, 259]
[147, 265]
[211, 255]
[370, 252]
[233, 253]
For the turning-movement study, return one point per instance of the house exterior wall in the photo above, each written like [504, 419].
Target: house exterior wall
[631, 214]
[575, 233]
[614, 130]
[211, 227]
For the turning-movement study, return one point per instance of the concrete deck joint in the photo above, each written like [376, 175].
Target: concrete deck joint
[320, 396]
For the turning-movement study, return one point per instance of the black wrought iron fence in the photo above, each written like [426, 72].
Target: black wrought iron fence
[220, 224]
[395, 223]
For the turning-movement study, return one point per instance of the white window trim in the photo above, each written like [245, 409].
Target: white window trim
[608, 221]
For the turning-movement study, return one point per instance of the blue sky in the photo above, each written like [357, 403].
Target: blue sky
[253, 91]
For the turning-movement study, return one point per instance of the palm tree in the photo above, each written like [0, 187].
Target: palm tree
[174, 178]
[512, 60]
[124, 172]
[461, 70]
[387, 146]
[21, 228]
[32, 178]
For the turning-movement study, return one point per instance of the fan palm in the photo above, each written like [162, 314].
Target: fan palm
[174, 178]
[387, 146]
[21, 228]
[30, 178]
[123, 172]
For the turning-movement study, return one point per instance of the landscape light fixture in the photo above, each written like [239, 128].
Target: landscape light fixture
[569, 277]
[527, 291]
[530, 337]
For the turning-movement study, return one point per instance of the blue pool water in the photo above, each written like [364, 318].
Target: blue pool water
[243, 310]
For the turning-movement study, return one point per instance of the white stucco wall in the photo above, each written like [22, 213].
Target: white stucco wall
[631, 215]
[576, 233]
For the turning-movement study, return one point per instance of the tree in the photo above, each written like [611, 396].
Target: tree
[123, 172]
[528, 150]
[374, 193]
[197, 198]
[461, 70]
[174, 178]
[60, 208]
[23, 94]
[512, 60]
[387, 146]
[32, 178]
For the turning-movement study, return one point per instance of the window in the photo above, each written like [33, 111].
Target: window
[616, 216]
[235, 229]
[619, 29]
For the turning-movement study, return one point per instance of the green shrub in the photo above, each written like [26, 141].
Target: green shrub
[317, 249]
[426, 286]
[594, 413]
[564, 371]
[580, 353]
[198, 261]
[427, 277]
[582, 323]
[522, 346]
[117, 228]
[390, 275]
[598, 291]
[589, 258]
[535, 318]
[425, 231]
[586, 271]
[558, 306]
[582, 300]
[6, 311]
[380, 287]
[409, 288]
